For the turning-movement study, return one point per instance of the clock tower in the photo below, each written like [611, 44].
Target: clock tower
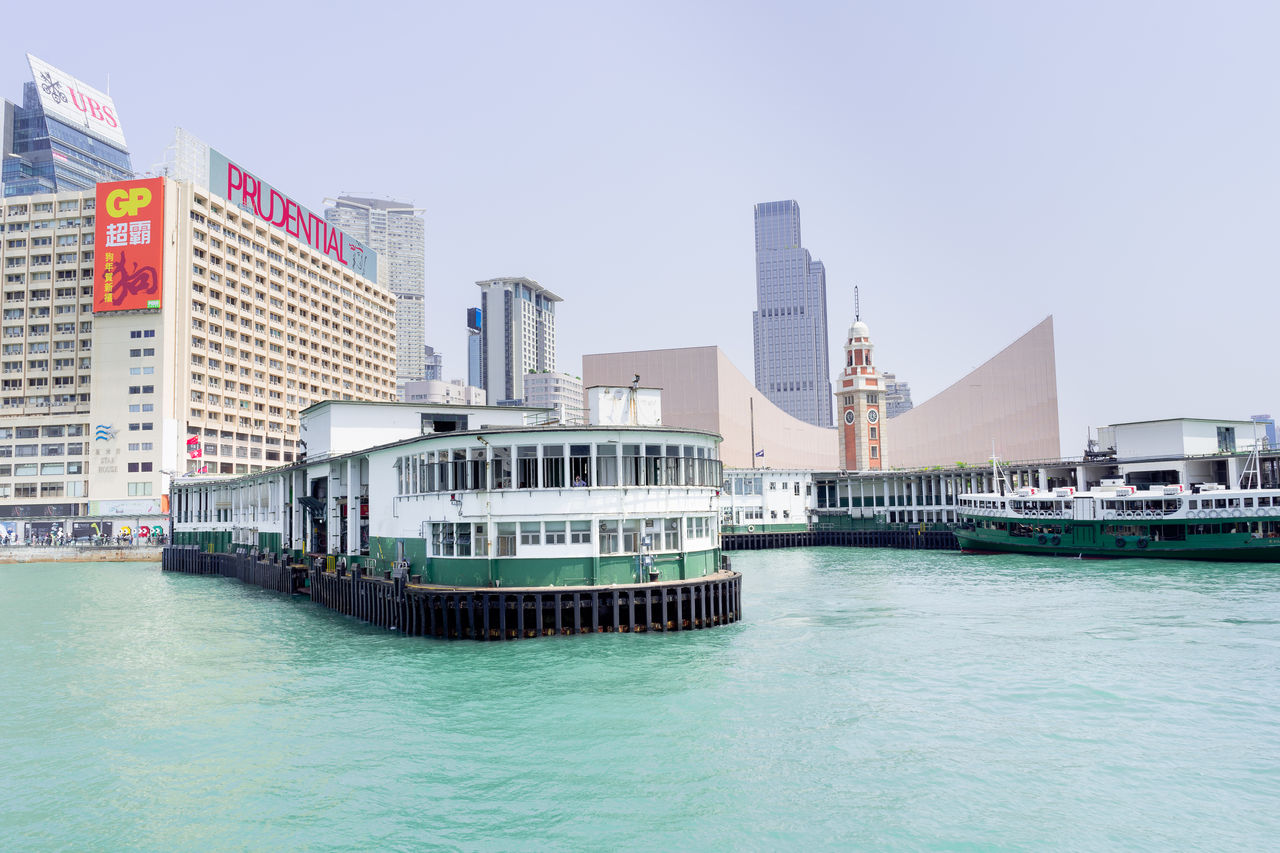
[859, 399]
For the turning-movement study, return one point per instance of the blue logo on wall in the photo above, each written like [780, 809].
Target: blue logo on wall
[104, 433]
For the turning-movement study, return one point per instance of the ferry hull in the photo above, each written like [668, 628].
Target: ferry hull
[1251, 551]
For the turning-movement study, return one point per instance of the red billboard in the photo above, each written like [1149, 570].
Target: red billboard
[128, 245]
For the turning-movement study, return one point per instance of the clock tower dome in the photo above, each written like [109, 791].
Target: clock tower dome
[859, 399]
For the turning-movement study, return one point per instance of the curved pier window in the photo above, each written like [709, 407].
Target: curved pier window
[580, 532]
[554, 534]
[527, 467]
[553, 466]
[632, 466]
[501, 467]
[608, 536]
[606, 464]
[580, 464]
[506, 544]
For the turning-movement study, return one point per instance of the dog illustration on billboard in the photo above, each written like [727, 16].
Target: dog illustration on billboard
[131, 281]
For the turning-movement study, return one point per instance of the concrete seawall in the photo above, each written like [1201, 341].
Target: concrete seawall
[80, 554]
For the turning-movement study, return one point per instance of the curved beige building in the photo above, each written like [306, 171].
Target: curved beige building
[701, 389]
[1011, 399]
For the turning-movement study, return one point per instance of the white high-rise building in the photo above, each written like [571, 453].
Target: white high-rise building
[558, 391]
[396, 231]
[518, 335]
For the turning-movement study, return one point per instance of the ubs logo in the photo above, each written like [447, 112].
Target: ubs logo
[127, 202]
[52, 88]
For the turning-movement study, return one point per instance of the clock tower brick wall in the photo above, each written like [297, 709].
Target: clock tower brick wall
[859, 399]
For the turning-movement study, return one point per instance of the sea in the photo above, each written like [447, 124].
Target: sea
[869, 700]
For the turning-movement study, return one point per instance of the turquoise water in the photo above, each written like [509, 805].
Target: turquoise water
[870, 699]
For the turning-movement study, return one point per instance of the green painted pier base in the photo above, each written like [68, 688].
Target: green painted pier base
[399, 601]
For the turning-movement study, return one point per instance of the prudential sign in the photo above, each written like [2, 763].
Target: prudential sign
[250, 193]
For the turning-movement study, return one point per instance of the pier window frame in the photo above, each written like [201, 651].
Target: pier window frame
[530, 533]
[501, 469]
[506, 539]
[580, 465]
[553, 532]
[632, 469]
[553, 466]
[609, 540]
[527, 466]
[579, 532]
[606, 464]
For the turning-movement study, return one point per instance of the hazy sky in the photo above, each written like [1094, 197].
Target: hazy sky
[972, 167]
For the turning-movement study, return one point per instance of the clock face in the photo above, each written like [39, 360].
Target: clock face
[848, 416]
[872, 416]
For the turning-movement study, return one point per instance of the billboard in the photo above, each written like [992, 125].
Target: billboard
[68, 100]
[129, 245]
[250, 193]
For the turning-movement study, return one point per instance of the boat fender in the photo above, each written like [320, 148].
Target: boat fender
[1142, 543]
[1148, 514]
[1119, 541]
[1056, 540]
[751, 528]
[1042, 539]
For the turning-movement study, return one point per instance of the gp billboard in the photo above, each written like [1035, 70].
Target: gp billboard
[129, 248]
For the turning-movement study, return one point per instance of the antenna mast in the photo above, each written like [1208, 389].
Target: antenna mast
[857, 312]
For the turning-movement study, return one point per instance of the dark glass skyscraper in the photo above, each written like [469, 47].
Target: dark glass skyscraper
[790, 320]
[65, 136]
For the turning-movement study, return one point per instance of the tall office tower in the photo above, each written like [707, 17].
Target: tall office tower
[897, 395]
[519, 335]
[433, 364]
[790, 320]
[474, 371]
[65, 136]
[397, 232]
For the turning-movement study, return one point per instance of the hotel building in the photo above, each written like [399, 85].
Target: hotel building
[151, 328]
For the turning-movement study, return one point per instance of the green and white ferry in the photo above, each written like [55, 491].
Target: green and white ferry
[1209, 522]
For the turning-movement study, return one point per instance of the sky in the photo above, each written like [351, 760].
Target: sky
[972, 166]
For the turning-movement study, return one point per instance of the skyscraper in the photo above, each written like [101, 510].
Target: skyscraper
[790, 320]
[518, 335]
[397, 232]
[475, 374]
[65, 136]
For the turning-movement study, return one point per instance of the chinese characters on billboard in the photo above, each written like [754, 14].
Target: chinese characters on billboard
[128, 247]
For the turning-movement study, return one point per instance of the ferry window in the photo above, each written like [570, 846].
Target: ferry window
[554, 532]
[527, 467]
[530, 532]
[608, 536]
[477, 474]
[553, 466]
[632, 467]
[606, 464]
[1248, 502]
[1264, 501]
[671, 534]
[700, 471]
[580, 532]
[427, 471]
[671, 466]
[502, 467]
[686, 466]
[481, 541]
[436, 537]
[1220, 503]
[1193, 504]
[653, 464]
[631, 535]
[580, 464]
[797, 489]
[506, 539]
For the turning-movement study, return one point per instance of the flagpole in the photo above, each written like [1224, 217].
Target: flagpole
[751, 401]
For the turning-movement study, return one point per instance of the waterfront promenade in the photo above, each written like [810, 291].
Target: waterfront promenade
[80, 553]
